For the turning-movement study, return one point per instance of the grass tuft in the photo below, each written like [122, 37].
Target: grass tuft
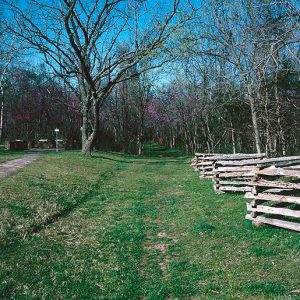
[259, 251]
[202, 228]
[267, 287]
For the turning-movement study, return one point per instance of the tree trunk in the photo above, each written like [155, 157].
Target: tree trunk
[210, 141]
[86, 143]
[279, 120]
[254, 119]
[233, 139]
[1, 112]
[89, 133]
[139, 141]
[195, 137]
[140, 138]
[171, 139]
[87, 146]
[255, 127]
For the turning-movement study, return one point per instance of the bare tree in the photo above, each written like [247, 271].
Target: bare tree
[92, 44]
[239, 34]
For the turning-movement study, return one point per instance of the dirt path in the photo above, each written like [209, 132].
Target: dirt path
[12, 166]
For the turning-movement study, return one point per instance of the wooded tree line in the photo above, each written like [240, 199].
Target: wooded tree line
[221, 76]
[35, 104]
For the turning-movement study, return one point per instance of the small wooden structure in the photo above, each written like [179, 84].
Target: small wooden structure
[18, 145]
[45, 144]
[275, 194]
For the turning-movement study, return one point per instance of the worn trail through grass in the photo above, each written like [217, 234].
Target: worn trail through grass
[11, 166]
[141, 229]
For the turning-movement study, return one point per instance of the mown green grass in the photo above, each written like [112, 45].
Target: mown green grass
[9, 154]
[118, 227]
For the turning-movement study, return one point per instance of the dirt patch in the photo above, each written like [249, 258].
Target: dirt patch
[162, 234]
[161, 247]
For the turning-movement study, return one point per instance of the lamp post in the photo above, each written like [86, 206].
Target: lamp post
[56, 140]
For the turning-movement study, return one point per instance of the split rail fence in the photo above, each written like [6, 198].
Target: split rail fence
[271, 184]
[275, 197]
[200, 162]
[232, 173]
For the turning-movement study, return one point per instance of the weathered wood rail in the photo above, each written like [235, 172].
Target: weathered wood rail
[232, 173]
[207, 163]
[236, 175]
[275, 194]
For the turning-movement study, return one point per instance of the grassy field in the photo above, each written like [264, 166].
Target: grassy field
[8, 154]
[118, 227]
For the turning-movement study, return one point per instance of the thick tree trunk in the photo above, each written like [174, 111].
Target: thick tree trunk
[86, 143]
[89, 133]
[87, 146]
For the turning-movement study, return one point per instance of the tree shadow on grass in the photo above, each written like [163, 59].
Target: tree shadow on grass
[152, 154]
[142, 161]
[67, 207]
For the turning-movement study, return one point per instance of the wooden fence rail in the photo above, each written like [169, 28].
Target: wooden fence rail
[237, 175]
[275, 196]
[198, 159]
[229, 177]
[207, 165]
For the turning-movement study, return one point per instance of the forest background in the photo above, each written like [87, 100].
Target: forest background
[220, 76]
